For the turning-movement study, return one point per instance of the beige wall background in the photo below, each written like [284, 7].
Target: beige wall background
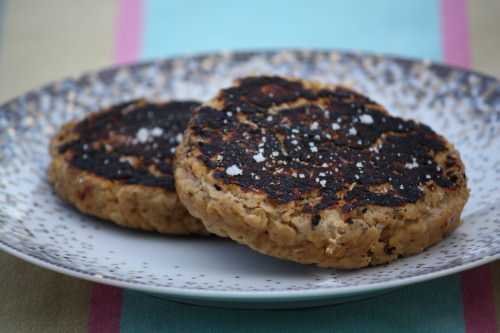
[47, 40]
[484, 25]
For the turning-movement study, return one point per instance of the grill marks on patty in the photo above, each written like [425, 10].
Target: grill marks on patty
[321, 147]
[133, 142]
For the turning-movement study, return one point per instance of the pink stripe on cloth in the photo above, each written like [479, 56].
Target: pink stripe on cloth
[129, 25]
[479, 306]
[105, 309]
[477, 287]
[106, 301]
[455, 32]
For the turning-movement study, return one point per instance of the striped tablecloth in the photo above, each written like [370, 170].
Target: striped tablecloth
[42, 41]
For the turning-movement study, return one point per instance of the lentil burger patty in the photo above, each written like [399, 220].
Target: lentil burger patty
[117, 164]
[317, 174]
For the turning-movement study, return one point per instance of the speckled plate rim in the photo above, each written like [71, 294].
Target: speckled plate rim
[254, 52]
[251, 296]
[247, 296]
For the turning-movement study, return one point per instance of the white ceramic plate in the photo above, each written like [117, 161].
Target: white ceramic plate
[36, 226]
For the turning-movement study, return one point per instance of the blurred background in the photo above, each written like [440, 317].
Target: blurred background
[43, 41]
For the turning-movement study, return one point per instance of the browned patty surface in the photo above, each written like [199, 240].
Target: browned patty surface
[113, 161]
[312, 150]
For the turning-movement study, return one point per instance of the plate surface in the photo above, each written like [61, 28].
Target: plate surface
[36, 226]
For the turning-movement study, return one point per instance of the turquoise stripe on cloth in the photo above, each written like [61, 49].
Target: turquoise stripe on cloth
[409, 28]
[429, 307]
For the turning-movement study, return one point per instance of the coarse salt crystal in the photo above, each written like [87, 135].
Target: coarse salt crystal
[366, 119]
[259, 157]
[352, 131]
[142, 135]
[157, 131]
[234, 170]
[335, 126]
[412, 165]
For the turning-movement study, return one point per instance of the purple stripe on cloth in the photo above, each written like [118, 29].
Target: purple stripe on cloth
[105, 309]
[129, 27]
[479, 304]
